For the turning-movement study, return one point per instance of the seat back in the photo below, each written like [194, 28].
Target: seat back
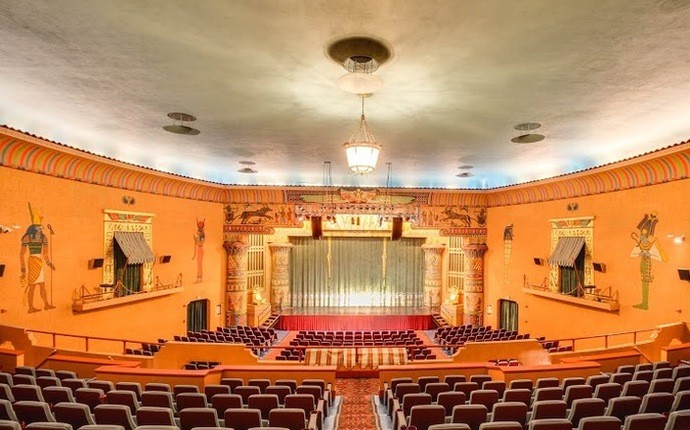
[472, 415]
[583, 408]
[644, 422]
[608, 391]
[574, 392]
[6, 411]
[75, 414]
[547, 383]
[213, 389]
[89, 396]
[190, 400]
[279, 390]
[6, 378]
[422, 416]
[198, 417]
[434, 388]
[27, 392]
[155, 416]
[621, 407]
[681, 401]
[523, 395]
[395, 381]
[105, 386]
[24, 379]
[548, 393]
[510, 411]
[233, 382]
[242, 418]
[161, 399]
[505, 425]
[74, 383]
[449, 400]
[678, 420]
[659, 403]
[662, 385]
[484, 397]
[635, 388]
[414, 399]
[30, 411]
[6, 393]
[55, 395]
[134, 387]
[262, 383]
[289, 418]
[49, 426]
[123, 397]
[184, 388]
[221, 402]
[424, 380]
[48, 381]
[466, 387]
[314, 390]
[156, 386]
[245, 391]
[264, 403]
[451, 380]
[550, 424]
[119, 415]
[600, 423]
[546, 409]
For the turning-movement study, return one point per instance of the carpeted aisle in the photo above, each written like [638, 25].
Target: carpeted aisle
[357, 412]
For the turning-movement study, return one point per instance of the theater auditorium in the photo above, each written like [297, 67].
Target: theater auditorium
[323, 215]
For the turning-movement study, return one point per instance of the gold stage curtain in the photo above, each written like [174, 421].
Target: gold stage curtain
[351, 272]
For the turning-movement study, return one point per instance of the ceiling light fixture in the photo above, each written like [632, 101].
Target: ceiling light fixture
[361, 57]
[362, 150]
[528, 137]
[181, 128]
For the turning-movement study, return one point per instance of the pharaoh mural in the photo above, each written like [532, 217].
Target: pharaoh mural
[646, 248]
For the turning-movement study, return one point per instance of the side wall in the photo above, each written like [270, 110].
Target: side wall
[74, 210]
[616, 217]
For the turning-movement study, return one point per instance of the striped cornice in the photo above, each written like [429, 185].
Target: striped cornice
[22, 151]
[33, 154]
[665, 165]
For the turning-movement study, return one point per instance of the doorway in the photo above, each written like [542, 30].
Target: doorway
[197, 315]
[508, 317]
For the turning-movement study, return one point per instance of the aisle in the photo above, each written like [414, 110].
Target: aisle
[357, 411]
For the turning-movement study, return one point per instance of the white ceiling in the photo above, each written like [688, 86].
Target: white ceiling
[608, 79]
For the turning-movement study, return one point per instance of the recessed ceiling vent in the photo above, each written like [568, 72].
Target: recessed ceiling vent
[528, 137]
[181, 128]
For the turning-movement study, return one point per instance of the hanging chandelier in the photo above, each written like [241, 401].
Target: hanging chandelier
[362, 150]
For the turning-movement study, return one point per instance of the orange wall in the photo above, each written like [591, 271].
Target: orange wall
[75, 211]
[616, 217]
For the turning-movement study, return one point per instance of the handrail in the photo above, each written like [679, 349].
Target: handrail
[54, 336]
[605, 337]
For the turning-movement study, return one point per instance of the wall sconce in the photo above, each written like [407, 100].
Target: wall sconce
[489, 309]
[677, 238]
[572, 207]
[599, 267]
[218, 309]
[538, 261]
[95, 263]
[165, 259]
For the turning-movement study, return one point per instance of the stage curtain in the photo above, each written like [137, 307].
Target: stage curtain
[344, 272]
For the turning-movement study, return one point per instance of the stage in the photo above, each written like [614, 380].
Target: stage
[355, 318]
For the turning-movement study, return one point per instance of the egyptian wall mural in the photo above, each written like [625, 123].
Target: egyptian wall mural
[199, 239]
[298, 206]
[647, 248]
[36, 267]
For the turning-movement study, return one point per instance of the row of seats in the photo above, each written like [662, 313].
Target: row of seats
[428, 418]
[548, 398]
[78, 415]
[200, 365]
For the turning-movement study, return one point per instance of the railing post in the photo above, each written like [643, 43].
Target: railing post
[86, 343]
[54, 340]
[634, 338]
[606, 341]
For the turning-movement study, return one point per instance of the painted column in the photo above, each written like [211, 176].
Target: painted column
[474, 283]
[236, 283]
[432, 274]
[280, 275]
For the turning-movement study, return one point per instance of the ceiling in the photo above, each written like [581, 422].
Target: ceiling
[608, 79]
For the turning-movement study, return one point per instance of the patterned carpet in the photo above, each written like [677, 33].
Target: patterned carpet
[357, 412]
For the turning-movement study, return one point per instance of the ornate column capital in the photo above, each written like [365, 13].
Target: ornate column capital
[235, 247]
[279, 246]
[475, 250]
